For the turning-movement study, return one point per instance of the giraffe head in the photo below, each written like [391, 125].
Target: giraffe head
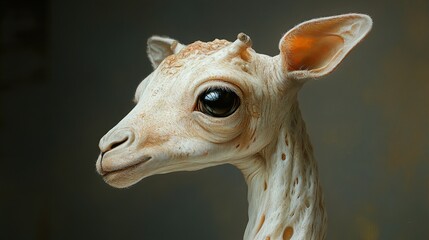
[219, 102]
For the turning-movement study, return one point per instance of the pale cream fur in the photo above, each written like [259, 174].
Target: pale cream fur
[265, 137]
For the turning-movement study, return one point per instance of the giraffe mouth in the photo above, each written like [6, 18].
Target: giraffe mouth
[128, 168]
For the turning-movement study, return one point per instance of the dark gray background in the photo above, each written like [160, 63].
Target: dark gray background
[69, 70]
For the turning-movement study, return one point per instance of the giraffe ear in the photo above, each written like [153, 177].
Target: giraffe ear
[316, 47]
[158, 48]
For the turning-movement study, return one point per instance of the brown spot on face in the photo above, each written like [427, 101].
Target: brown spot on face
[283, 156]
[261, 223]
[238, 145]
[287, 233]
[153, 140]
[173, 62]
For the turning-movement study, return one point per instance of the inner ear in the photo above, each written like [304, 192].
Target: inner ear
[316, 47]
[312, 51]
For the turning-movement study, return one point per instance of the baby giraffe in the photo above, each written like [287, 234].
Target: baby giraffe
[219, 102]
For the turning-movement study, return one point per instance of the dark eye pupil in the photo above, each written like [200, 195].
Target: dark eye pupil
[218, 102]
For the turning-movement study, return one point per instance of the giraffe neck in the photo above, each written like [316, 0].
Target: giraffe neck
[285, 198]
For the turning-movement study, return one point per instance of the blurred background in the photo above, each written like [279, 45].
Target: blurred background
[68, 74]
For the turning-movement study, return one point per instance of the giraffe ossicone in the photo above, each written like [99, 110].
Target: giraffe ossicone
[212, 103]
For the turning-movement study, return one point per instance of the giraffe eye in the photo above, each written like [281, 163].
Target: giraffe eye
[218, 102]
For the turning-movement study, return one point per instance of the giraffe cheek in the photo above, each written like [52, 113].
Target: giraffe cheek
[152, 140]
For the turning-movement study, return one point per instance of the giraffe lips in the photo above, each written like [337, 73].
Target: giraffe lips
[104, 173]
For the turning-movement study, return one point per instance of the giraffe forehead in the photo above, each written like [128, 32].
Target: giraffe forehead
[205, 48]
[193, 51]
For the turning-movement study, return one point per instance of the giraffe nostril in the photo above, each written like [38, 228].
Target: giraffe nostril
[114, 145]
[115, 139]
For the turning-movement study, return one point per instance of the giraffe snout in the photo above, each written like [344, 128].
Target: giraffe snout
[115, 139]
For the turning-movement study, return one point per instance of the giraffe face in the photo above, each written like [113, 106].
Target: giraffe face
[199, 108]
[219, 102]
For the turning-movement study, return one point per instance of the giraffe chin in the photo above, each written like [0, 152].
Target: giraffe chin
[121, 179]
[125, 177]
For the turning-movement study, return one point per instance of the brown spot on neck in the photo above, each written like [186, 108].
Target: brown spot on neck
[287, 233]
[261, 223]
[283, 156]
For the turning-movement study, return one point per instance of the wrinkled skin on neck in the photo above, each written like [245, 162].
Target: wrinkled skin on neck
[285, 197]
